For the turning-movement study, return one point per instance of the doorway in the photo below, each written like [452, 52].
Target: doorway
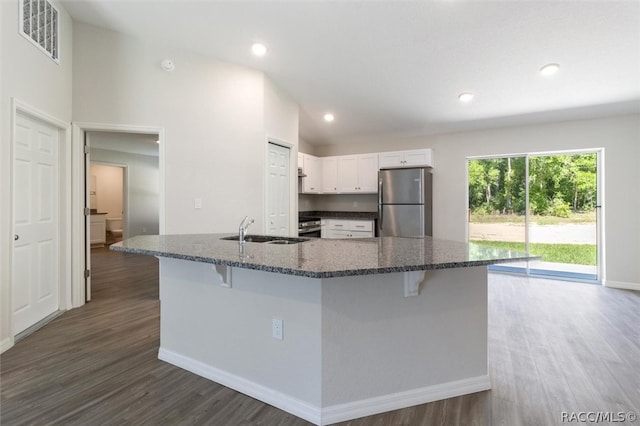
[107, 203]
[543, 204]
[143, 204]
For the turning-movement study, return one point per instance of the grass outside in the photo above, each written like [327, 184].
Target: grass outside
[588, 217]
[577, 254]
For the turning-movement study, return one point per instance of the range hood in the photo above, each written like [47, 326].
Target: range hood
[301, 173]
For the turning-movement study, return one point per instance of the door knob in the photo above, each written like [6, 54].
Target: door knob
[16, 237]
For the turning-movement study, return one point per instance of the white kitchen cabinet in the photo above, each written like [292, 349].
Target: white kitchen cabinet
[368, 173]
[348, 174]
[311, 167]
[413, 158]
[300, 160]
[347, 228]
[358, 173]
[329, 175]
[98, 229]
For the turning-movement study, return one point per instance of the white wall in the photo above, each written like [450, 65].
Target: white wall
[31, 77]
[142, 180]
[306, 147]
[281, 124]
[213, 114]
[620, 137]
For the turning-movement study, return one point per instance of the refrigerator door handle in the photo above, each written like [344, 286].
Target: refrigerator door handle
[380, 204]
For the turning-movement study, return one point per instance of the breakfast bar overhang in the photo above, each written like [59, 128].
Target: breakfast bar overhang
[368, 325]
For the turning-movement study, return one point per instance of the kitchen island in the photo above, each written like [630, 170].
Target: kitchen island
[328, 330]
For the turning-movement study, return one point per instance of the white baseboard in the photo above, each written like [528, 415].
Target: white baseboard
[331, 414]
[6, 344]
[381, 404]
[280, 400]
[622, 285]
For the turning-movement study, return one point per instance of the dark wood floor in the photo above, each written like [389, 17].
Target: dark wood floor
[553, 346]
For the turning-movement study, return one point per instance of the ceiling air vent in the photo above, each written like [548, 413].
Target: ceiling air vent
[39, 24]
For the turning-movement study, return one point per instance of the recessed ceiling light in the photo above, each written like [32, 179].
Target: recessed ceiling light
[328, 117]
[465, 97]
[259, 49]
[549, 69]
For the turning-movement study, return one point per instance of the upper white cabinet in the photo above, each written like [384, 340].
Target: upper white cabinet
[368, 173]
[358, 173]
[312, 168]
[329, 175]
[348, 173]
[354, 174]
[413, 158]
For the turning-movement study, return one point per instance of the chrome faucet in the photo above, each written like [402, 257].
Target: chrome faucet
[242, 231]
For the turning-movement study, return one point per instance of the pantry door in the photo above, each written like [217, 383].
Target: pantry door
[278, 190]
[36, 258]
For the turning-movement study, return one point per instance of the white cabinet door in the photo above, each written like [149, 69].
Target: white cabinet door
[329, 175]
[391, 159]
[311, 183]
[98, 229]
[420, 157]
[368, 173]
[348, 174]
[413, 158]
[358, 174]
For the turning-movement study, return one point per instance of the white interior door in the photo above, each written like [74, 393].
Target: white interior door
[278, 190]
[35, 280]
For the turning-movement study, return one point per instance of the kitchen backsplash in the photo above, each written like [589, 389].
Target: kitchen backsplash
[338, 202]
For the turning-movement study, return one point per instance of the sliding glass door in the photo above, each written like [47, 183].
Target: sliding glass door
[542, 204]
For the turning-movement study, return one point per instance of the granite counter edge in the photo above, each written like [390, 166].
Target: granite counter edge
[312, 274]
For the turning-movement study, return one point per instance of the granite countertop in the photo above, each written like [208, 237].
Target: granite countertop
[321, 258]
[340, 215]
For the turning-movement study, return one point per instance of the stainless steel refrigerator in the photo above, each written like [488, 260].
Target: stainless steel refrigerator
[404, 202]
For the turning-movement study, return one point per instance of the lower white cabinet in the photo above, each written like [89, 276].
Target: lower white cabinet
[98, 229]
[347, 228]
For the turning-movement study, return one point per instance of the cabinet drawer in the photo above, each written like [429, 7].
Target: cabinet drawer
[361, 225]
[338, 224]
[351, 225]
[360, 234]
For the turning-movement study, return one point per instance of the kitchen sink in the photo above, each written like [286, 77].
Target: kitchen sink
[267, 239]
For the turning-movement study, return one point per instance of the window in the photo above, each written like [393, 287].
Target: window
[39, 24]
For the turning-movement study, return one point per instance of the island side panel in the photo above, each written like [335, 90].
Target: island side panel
[228, 330]
[377, 343]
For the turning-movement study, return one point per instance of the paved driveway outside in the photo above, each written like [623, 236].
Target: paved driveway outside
[569, 233]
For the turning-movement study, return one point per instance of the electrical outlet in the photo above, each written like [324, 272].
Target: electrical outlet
[197, 203]
[277, 329]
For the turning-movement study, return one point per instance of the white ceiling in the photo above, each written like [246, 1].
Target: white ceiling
[396, 68]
